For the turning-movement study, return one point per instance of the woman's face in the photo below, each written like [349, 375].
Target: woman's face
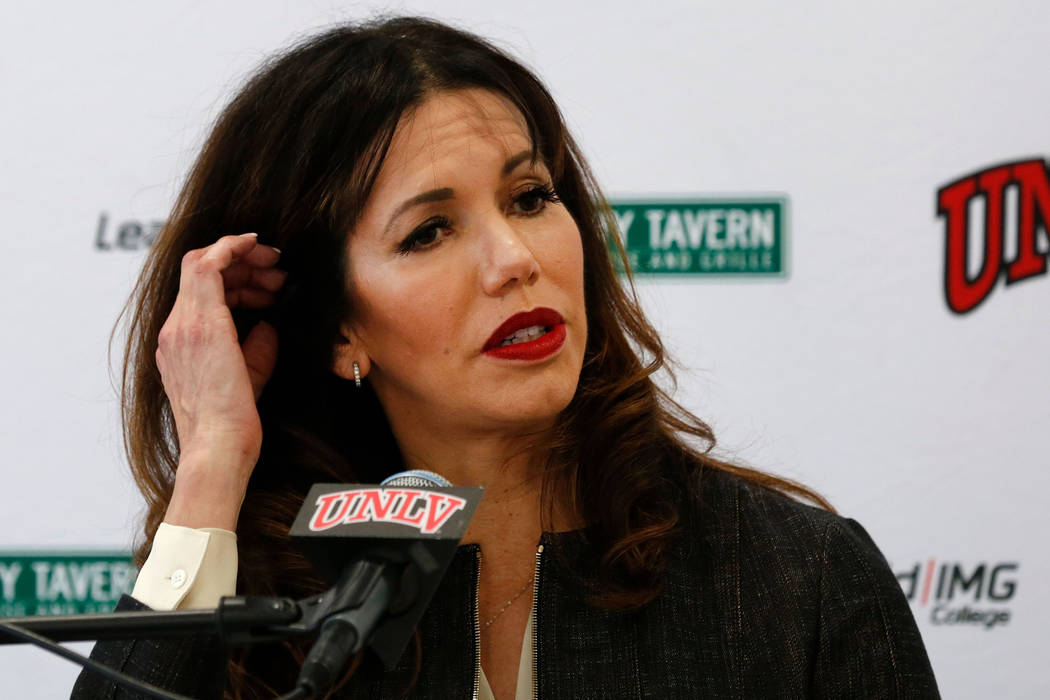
[466, 276]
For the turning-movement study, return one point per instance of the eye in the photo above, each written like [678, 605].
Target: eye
[428, 235]
[535, 199]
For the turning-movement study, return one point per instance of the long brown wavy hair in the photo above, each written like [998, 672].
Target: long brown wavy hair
[293, 157]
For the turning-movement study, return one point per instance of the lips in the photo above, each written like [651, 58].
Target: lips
[534, 349]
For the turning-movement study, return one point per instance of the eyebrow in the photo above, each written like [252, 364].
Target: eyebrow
[446, 193]
[516, 160]
[438, 195]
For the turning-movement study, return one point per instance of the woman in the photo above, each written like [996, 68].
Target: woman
[430, 287]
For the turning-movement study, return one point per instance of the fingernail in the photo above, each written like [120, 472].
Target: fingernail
[250, 234]
[276, 249]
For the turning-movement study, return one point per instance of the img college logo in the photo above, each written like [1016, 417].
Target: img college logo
[956, 593]
[993, 190]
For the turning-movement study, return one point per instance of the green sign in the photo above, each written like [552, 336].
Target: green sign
[62, 583]
[727, 236]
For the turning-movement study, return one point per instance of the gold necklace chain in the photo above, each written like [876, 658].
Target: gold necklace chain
[511, 601]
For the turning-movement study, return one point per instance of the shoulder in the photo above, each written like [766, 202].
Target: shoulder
[772, 536]
[809, 583]
[727, 505]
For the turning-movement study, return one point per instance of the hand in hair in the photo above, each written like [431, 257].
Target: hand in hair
[212, 381]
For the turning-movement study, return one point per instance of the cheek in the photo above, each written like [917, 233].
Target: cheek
[567, 258]
[404, 321]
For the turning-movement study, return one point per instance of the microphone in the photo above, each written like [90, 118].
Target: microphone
[387, 548]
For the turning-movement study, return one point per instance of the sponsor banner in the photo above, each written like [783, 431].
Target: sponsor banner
[961, 594]
[735, 236]
[126, 234]
[996, 227]
[63, 583]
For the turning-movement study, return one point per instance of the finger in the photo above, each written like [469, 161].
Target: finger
[249, 298]
[260, 355]
[193, 256]
[223, 252]
[201, 280]
[262, 256]
[242, 275]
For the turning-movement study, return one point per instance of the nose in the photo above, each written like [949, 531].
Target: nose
[507, 258]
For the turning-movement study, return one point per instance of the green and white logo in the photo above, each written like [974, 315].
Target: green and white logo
[63, 583]
[725, 236]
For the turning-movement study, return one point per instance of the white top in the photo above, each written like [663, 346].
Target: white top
[190, 569]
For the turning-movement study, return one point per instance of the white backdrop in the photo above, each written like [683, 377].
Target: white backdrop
[850, 374]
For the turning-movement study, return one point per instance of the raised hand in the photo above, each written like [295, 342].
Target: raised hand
[212, 381]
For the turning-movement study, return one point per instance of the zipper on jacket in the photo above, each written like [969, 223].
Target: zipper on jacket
[535, 624]
[477, 626]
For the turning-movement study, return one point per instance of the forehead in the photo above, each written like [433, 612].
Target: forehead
[449, 129]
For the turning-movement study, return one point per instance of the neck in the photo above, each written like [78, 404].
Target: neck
[510, 471]
[504, 458]
[507, 467]
[510, 467]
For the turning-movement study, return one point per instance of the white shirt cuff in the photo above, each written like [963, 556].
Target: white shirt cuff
[188, 568]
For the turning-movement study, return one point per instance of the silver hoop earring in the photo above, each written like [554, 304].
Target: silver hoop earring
[357, 376]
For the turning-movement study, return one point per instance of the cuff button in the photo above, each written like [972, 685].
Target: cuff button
[178, 577]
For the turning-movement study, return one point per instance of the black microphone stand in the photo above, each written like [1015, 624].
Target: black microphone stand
[358, 600]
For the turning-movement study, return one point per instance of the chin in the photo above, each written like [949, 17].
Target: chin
[540, 412]
[530, 400]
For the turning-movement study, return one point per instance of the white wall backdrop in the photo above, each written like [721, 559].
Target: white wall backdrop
[850, 373]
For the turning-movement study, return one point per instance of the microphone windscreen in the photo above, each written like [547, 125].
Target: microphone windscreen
[418, 478]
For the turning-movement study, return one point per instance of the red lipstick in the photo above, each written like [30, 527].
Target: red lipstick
[534, 349]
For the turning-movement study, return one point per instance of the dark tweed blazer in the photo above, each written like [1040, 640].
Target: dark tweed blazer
[764, 598]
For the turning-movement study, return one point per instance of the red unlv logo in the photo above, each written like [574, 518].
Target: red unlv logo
[426, 511]
[1032, 181]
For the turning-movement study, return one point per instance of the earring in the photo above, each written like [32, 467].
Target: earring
[357, 375]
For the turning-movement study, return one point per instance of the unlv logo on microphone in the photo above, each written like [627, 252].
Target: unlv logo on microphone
[423, 510]
[1031, 180]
